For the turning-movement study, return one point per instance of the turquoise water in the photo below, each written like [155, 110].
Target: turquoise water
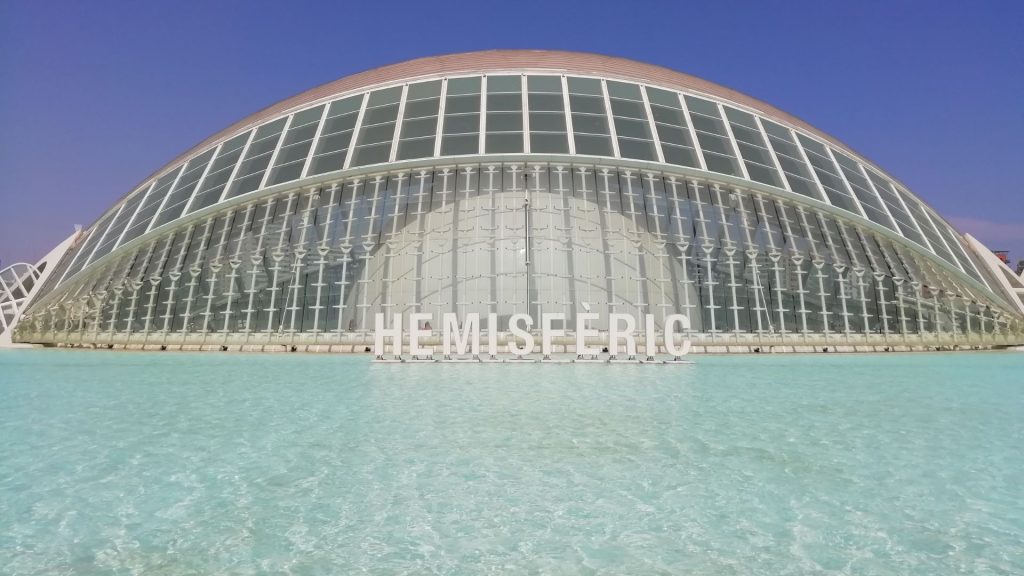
[173, 463]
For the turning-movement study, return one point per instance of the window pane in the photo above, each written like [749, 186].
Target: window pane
[461, 117]
[504, 143]
[504, 122]
[631, 122]
[458, 145]
[862, 189]
[458, 86]
[250, 172]
[547, 122]
[593, 145]
[584, 86]
[150, 205]
[712, 135]
[673, 132]
[332, 146]
[797, 173]
[828, 175]
[499, 84]
[549, 143]
[182, 191]
[373, 145]
[423, 90]
[295, 146]
[552, 84]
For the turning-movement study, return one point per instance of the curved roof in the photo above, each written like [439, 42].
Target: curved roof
[705, 128]
[485, 60]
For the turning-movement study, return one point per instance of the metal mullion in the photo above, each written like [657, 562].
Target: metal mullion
[524, 108]
[569, 132]
[732, 140]
[440, 118]
[885, 207]
[483, 115]
[943, 240]
[610, 117]
[842, 176]
[199, 183]
[316, 140]
[355, 131]
[693, 132]
[398, 123]
[163, 203]
[653, 125]
[134, 214]
[99, 242]
[810, 167]
[910, 215]
[771, 152]
[273, 157]
[967, 257]
[236, 167]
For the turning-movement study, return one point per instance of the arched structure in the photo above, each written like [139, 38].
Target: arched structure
[20, 283]
[16, 284]
[512, 182]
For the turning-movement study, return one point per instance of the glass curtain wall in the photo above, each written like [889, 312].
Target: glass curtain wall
[516, 238]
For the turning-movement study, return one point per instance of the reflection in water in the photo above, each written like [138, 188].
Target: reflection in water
[312, 464]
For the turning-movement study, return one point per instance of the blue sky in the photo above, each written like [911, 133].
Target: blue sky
[94, 96]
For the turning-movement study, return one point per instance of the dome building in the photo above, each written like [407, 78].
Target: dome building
[521, 182]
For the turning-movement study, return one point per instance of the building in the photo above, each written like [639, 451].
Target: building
[508, 182]
[20, 283]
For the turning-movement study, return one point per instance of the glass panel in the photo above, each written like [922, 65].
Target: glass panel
[673, 132]
[182, 191]
[549, 143]
[219, 173]
[461, 132]
[504, 114]
[119, 224]
[464, 86]
[336, 135]
[862, 188]
[713, 137]
[95, 237]
[150, 205]
[373, 145]
[295, 146]
[547, 115]
[753, 148]
[424, 90]
[828, 174]
[926, 226]
[250, 172]
[632, 127]
[588, 86]
[892, 202]
[544, 84]
[589, 121]
[953, 242]
[798, 174]
[956, 244]
[619, 240]
[419, 122]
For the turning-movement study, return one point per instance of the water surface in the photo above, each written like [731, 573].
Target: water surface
[174, 463]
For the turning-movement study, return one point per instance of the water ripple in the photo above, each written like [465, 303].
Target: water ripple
[249, 464]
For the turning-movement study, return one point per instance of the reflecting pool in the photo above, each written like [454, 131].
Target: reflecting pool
[175, 463]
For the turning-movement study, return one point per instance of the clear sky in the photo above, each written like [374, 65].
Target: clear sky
[96, 95]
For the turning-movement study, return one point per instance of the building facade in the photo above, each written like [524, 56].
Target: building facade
[520, 182]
